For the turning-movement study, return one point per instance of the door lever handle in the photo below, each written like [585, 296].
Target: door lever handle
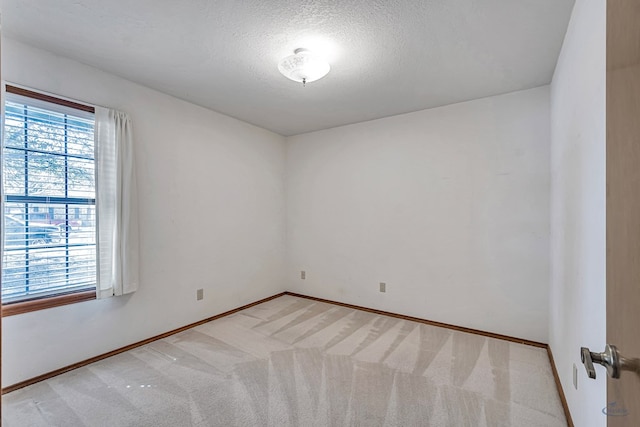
[611, 359]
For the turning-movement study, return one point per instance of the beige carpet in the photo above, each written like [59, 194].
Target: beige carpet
[297, 362]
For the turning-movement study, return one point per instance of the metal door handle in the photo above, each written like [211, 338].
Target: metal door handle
[611, 359]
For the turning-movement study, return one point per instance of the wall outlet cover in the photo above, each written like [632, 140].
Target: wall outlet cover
[383, 287]
[199, 294]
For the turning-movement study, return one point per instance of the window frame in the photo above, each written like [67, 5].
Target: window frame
[46, 301]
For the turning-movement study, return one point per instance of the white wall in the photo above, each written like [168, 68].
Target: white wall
[211, 216]
[448, 206]
[578, 291]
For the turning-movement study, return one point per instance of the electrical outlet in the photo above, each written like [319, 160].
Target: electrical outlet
[199, 294]
[383, 287]
[575, 376]
[303, 274]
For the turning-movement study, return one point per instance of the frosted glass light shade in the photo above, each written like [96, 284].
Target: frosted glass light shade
[303, 67]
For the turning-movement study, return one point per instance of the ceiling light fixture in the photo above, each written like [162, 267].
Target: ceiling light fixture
[303, 67]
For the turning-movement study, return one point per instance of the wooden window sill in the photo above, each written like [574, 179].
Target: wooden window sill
[44, 303]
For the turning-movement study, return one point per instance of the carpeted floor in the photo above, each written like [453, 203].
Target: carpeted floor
[297, 362]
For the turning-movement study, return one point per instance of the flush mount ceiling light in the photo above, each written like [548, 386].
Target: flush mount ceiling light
[303, 67]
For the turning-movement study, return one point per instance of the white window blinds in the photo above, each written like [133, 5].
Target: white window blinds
[49, 221]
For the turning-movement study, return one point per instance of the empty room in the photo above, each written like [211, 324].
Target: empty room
[320, 213]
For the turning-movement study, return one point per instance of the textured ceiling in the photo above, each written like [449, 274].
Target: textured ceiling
[387, 56]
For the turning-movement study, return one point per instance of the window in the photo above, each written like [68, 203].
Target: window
[49, 221]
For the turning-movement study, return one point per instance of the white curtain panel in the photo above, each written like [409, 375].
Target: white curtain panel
[116, 204]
